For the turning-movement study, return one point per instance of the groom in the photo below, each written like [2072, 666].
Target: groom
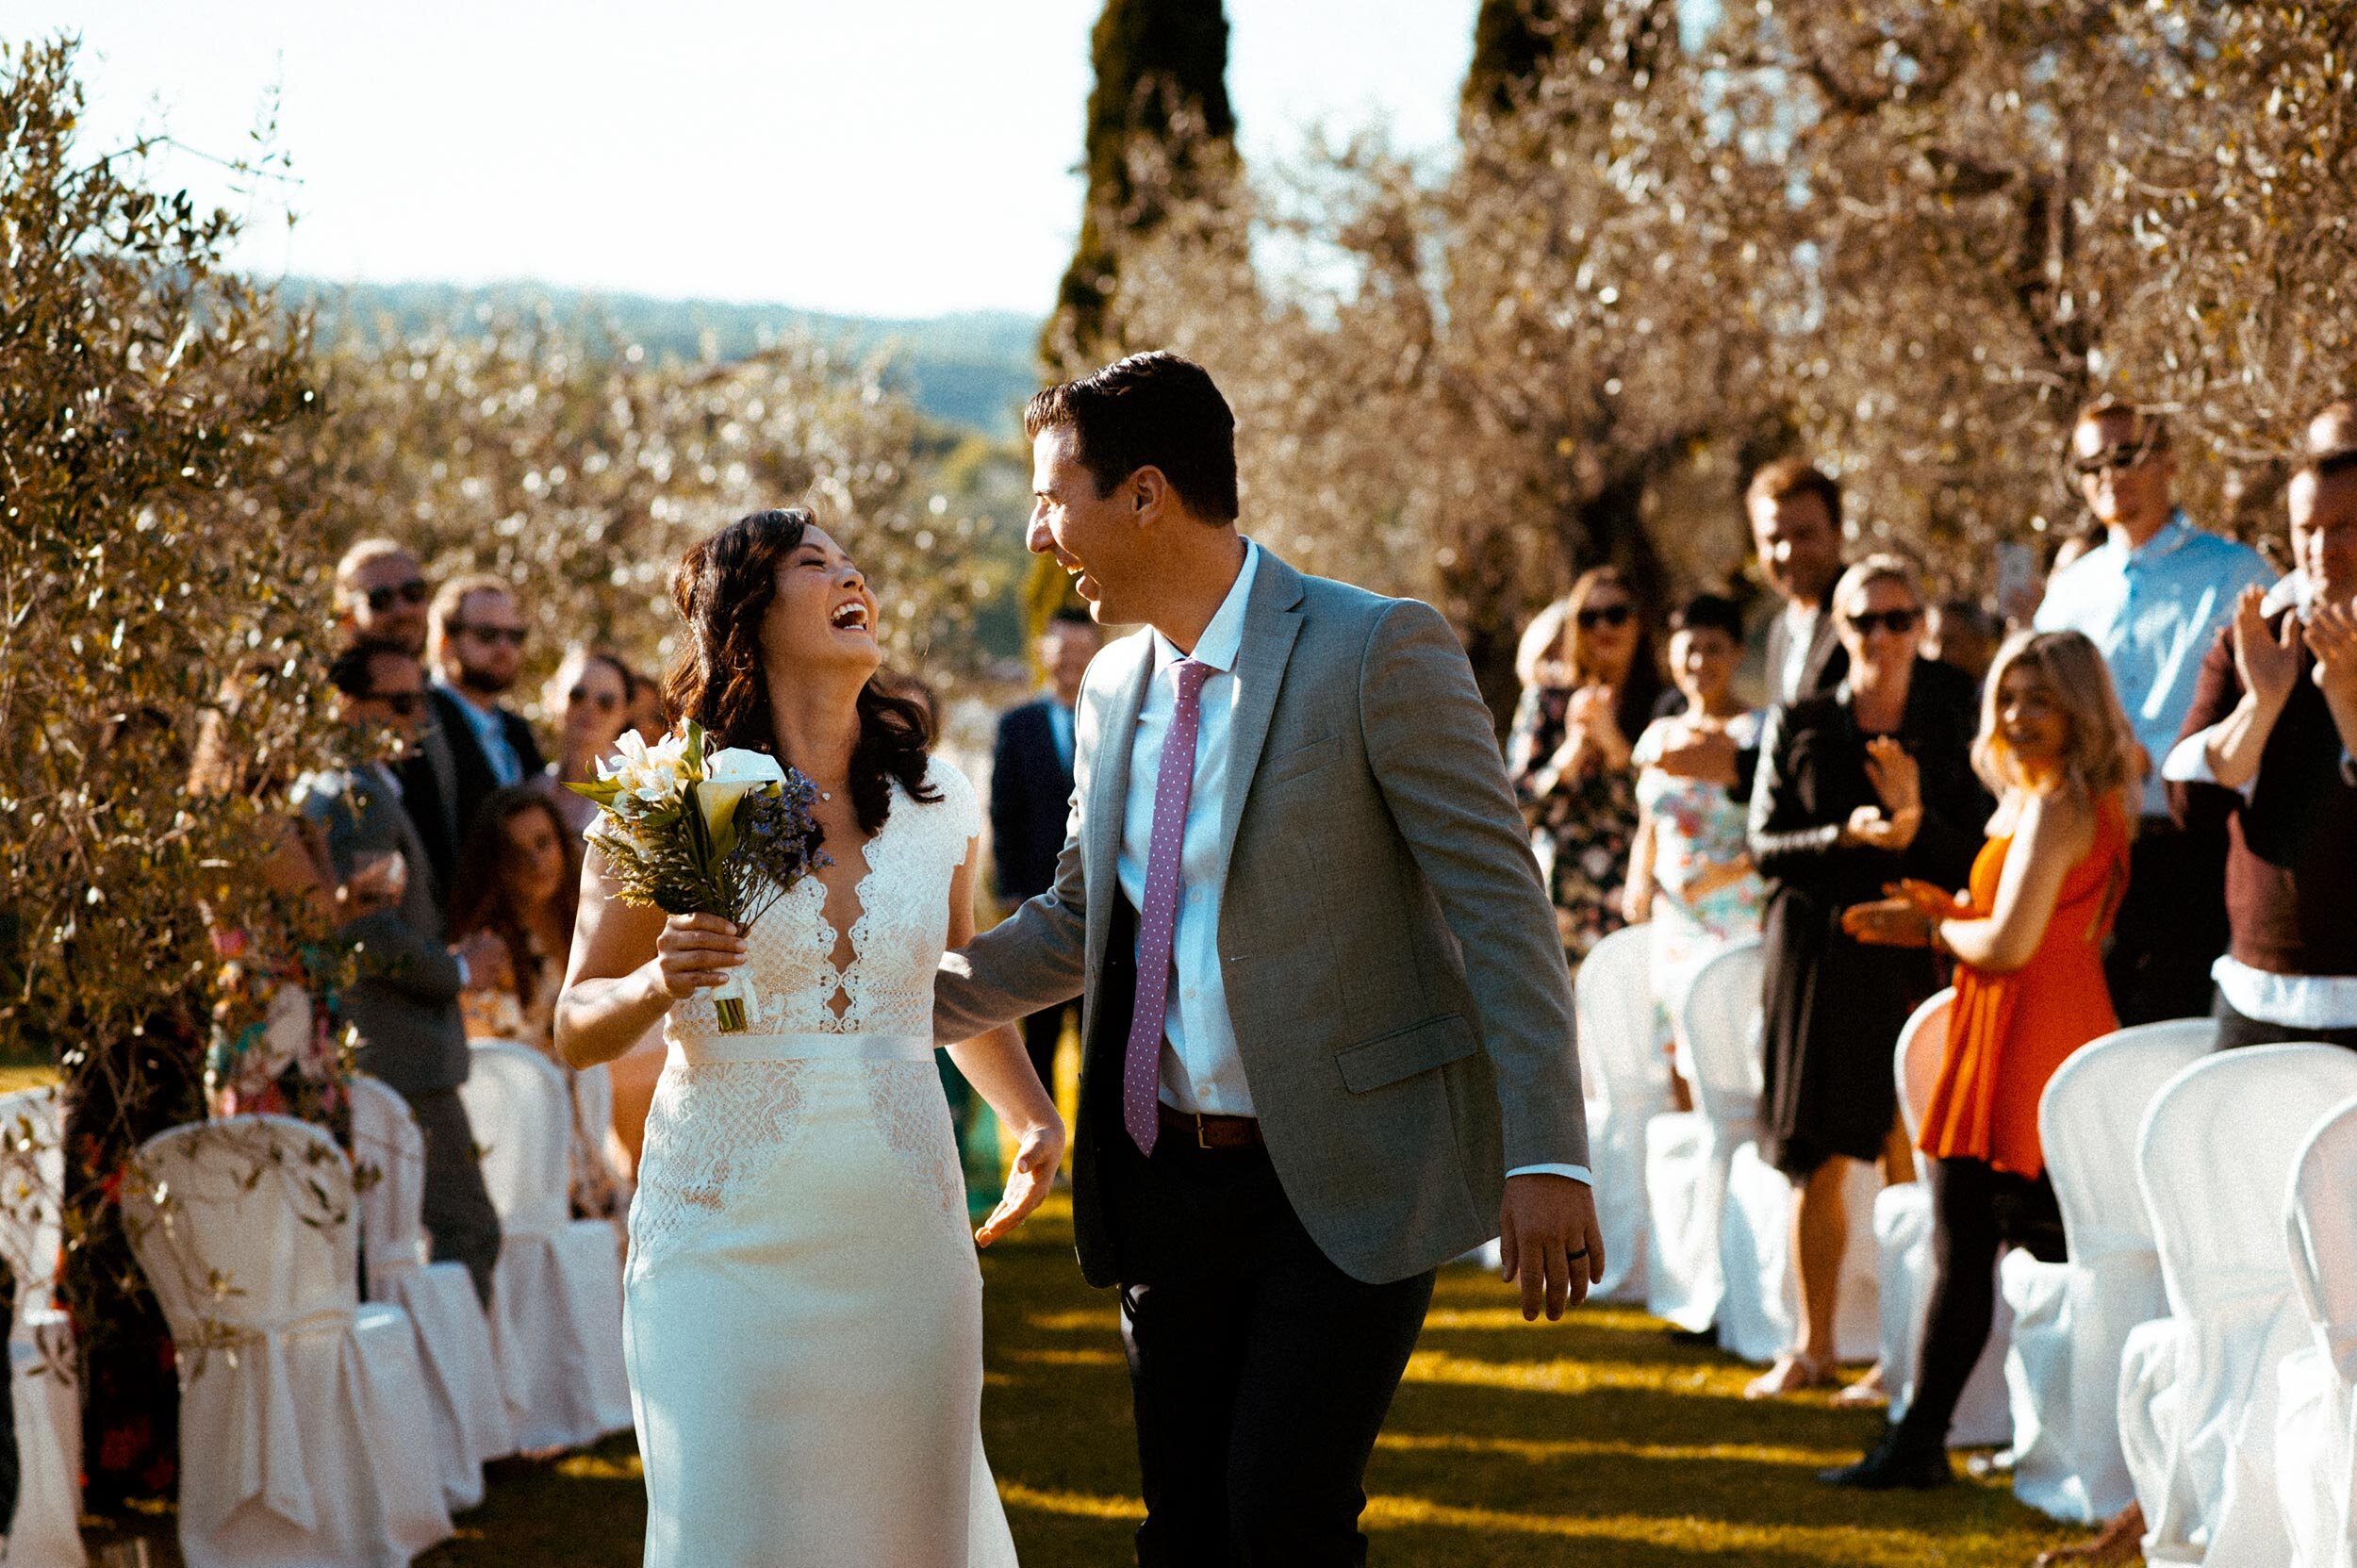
[1327, 1017]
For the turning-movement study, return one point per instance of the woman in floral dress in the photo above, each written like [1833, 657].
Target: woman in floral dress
[1690, 874]
[1589, 685]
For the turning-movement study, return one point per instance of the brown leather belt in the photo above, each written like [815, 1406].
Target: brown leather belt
[1211, 1132]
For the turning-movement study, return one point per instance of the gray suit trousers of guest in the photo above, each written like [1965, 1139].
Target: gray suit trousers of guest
[1399, 996]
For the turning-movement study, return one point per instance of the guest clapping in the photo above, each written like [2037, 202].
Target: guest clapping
[1690, 873]
[589, 698]
[2028, 936]
[1855, 790]
[1588, 689]
[2268, 740]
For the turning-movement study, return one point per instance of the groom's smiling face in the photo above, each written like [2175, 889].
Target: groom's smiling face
[1098, 538]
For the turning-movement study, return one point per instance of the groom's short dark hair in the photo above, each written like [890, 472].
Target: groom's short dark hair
[1150, 410]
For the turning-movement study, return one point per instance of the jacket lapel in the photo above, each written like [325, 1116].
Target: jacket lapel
[1272, 620]
[1108, 781]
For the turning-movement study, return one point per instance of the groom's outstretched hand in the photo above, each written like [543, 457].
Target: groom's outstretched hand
[1547, 1233]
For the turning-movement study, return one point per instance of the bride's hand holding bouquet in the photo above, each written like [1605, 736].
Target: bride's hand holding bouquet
[712, 839]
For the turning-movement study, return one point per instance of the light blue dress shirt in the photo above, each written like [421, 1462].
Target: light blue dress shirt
[1202, 1068]
[2153, 612]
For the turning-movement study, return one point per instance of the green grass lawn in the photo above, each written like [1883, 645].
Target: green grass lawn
[1594, 1442]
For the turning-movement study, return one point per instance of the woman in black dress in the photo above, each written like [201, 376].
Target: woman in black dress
[1857, 789]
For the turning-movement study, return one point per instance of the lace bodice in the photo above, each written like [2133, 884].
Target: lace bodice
[717, 1126]
[896, 942]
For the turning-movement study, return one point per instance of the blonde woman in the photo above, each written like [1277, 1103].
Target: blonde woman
[2027, 935]
[1590, 684]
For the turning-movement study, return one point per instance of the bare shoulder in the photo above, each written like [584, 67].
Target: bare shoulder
[2062, 818]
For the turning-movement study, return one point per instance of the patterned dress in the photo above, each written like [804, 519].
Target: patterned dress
[1698, 830]
[1581, 830]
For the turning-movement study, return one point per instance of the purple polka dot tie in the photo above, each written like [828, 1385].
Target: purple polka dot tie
[1142, 1066]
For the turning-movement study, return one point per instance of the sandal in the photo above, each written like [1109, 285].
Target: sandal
[1868, 1392]
[2122, 1539]
[1790, 1375]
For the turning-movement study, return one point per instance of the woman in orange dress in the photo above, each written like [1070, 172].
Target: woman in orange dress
[2028, 939]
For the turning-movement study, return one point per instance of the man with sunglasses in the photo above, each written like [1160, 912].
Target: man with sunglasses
[380, 597]
[403, 1001]
[2153, 597]
[475, 643]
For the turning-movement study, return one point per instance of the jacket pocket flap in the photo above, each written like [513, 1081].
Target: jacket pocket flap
[1404, 1053]
[1306, 759]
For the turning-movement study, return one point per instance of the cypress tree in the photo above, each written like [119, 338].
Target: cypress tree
[1162, 75]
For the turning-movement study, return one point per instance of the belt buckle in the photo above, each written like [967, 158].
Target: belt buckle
[1201, 1140]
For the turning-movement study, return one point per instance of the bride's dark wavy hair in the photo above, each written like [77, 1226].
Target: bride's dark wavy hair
[723, 587]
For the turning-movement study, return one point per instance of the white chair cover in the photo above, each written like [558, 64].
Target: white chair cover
[1687, 1153]
[1758, 1296]
[556, 1297]
[305, 1439]
[1626, 1078]
[2316, 1425]
[1902, 1240]
[2198, 1389]
[453, 1337]
[2071, 1319]
[593, 1128]
[43, 1388]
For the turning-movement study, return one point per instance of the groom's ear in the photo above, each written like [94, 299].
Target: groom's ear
[1149, 492]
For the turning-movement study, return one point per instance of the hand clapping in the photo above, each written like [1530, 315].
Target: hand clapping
[2267, 665]
[2331, 637]
[1899, 782]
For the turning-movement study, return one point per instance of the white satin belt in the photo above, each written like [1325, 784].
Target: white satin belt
[803, 1048]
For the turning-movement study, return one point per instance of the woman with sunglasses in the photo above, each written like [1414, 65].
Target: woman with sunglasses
[589, 696]
[1590, 684]
[1868, 785]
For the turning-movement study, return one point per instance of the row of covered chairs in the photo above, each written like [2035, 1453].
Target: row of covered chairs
[2196, 1352]
[319, 1428]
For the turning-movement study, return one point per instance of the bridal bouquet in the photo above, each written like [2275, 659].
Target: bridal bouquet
[689, 831]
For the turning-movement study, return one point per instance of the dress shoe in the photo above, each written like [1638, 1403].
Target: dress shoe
[1894, 1463]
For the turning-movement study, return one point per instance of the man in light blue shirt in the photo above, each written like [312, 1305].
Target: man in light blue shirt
[2152, 597]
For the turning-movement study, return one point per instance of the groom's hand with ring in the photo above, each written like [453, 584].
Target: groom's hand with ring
[696, 953]
[1548, 1235]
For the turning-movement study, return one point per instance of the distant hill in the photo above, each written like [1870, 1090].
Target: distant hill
[972, 368]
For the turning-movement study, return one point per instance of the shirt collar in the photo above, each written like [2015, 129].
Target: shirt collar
[466, 703]
[2172, 536]
[1223, 639]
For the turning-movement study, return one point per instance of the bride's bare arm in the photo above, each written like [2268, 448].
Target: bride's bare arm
[1000, 1070]
[629, 965]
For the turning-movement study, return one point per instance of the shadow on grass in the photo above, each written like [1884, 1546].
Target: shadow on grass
[1597, 1442]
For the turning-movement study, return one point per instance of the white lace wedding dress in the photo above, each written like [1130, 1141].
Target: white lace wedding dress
[804, 1303]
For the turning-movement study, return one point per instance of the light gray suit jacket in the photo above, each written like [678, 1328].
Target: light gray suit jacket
[1394, 974]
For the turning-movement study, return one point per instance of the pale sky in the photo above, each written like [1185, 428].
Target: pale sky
[900, 158]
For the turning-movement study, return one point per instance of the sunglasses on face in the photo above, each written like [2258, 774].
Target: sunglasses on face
[512, 636]
[405, 704]
[1897, 622]
[2111, 457]
[1603, 614]
[412, 594]
[605, 701]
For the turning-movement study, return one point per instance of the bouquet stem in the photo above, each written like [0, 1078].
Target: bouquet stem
[735, 1003]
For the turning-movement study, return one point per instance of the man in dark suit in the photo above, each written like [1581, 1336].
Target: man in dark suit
[403, 1005]
[475, 643]
[1031, 796]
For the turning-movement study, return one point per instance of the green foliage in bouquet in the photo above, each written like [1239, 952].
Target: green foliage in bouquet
[689, 831]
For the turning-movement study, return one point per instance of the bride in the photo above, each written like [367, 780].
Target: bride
[804, 1319]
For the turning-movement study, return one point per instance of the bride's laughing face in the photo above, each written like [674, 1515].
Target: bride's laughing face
[823, 617]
